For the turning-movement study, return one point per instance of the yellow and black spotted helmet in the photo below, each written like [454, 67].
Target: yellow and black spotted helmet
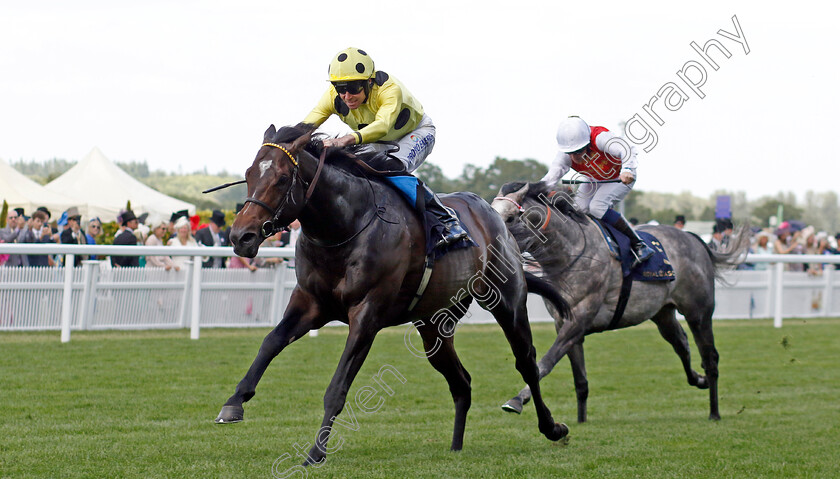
[351, 64]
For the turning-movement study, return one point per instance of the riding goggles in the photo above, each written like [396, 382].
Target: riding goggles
[353, 87]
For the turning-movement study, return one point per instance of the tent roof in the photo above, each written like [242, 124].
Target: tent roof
[21, 192]
[107, 189]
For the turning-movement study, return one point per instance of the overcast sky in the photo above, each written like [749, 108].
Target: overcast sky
[184, 85]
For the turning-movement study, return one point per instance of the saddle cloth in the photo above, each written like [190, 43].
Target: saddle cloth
[410, 189]
[657, 268]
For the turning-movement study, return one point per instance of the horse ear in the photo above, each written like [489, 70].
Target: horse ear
[519, 194]
[302, 141]
[269, 134]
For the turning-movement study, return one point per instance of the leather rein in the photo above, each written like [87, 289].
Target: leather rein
[269, 227]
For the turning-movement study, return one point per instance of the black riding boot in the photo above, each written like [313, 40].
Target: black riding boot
[642, 251]
[454, 232]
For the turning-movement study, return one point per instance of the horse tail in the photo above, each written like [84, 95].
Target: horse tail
[735, 252]
[545, 289]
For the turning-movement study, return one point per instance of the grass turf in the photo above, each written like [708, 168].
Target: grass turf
[142, 403]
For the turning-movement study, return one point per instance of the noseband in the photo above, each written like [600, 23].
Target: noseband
[270, 227]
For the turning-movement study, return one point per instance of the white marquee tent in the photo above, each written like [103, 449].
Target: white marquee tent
[107, 188]
[21, 192]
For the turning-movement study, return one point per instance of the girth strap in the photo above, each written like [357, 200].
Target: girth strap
[623, 296]
[424, 282]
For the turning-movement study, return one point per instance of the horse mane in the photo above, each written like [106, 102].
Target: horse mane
[562, 199]
[344, 158]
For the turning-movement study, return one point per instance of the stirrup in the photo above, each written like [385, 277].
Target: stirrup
[645, 253]
[451, 238]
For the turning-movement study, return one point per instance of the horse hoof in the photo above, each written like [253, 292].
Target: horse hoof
[514, 405]
[714, 417]
[230, 415]
[702, 383]
[560, 431]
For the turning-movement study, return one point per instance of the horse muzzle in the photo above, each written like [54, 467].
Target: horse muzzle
[245, 243]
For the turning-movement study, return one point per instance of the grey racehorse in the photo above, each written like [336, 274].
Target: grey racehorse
[573, 255]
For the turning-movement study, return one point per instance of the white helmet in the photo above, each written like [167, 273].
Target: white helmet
[572, 134]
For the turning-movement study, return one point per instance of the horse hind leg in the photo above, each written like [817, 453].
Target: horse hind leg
[672, 332]
[701, 329]
[440, 351]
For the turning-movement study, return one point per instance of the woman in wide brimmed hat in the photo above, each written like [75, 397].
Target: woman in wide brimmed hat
[158, 228]
[183, 239]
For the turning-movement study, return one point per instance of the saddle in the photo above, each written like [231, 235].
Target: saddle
[656, 268]
[387, 168]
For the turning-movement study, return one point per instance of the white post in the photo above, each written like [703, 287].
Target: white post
[777, 319]
[91, 267]
[277, 292]
[768, 302]
[185, 296]
[65, 300]
[196, 297]
[828, 297]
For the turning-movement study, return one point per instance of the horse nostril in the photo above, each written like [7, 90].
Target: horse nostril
[247, 239]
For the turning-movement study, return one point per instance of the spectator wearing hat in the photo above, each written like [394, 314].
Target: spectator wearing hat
[74, 234]
[213, 235]
[126, 238]
[679, 222]
[15, 225]
[183, 239]
[37, 232]
[174, 219]
[716, 243]
[158, 228]
[94, 230]
[787, 242]
[55, 231]
[762, 246]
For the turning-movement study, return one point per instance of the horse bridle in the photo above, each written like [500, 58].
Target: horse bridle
[270, 226]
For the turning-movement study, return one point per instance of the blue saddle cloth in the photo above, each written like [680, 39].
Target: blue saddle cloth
[656, 268]
[409, 188]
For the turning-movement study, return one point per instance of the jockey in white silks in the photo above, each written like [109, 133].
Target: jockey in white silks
[599, 155]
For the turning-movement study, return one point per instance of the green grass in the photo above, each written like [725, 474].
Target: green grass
[142, 403]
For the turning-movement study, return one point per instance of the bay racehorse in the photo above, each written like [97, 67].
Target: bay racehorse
[573, 254]
[360, 259]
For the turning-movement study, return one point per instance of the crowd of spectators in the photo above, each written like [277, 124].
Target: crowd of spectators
[181, 231]
[790, 237]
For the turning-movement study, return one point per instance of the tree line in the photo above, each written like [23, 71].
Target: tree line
[819, 209]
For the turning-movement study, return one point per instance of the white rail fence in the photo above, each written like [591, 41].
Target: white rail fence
[95, 296]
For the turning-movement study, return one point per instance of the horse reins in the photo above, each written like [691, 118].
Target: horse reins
[268, 228]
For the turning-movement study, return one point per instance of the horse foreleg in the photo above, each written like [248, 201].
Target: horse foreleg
[359, 341]
[568, 335]
[579, 374]
[440, 351]
[300, 317]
